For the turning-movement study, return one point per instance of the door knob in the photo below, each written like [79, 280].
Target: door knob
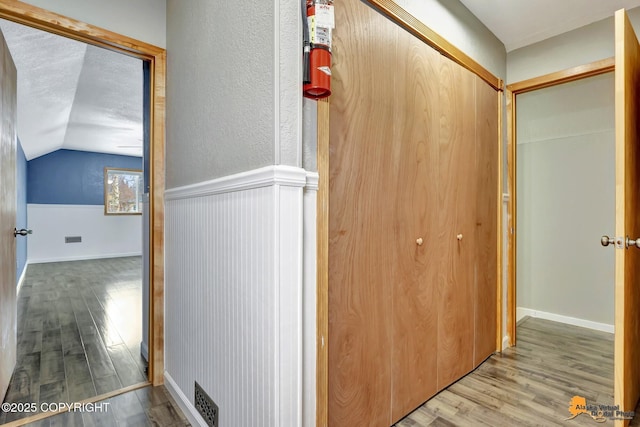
[21, 232]
[606, 241]
[635, 242]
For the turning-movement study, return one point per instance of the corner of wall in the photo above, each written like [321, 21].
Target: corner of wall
[245, 280]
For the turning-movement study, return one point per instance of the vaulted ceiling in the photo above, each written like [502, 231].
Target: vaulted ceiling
[74, 96]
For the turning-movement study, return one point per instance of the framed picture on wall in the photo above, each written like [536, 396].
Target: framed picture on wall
[123, 189]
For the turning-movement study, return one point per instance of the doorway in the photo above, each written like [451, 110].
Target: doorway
[565, 193]
[42, 19]
[515, 92]
[561, 177]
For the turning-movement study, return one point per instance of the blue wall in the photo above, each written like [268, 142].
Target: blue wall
[21, 209]
[68, 177]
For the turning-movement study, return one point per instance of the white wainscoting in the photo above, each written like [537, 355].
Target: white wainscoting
[234, 295]
[309, 302]
[103, 236]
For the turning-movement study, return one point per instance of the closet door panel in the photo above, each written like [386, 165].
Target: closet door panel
[416, 123]
[361, 234]
[487, 202]
[457, 187]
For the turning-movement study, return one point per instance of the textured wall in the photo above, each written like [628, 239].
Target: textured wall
[21, 208]
[310, 135]
[72, 177]
[237, 105]
[566, 199]
[143, 20]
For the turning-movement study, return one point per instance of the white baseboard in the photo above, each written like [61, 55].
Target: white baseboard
[505, 342]
[185, 405]
[144, 350]
[82, 258]
[21, 279]
[521, 312]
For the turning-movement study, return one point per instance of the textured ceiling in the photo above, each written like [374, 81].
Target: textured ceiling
[74, 96]
[519, 23]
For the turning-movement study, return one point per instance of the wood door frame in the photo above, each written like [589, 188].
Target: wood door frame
[410, 23]
[51, 22]
[513, 90]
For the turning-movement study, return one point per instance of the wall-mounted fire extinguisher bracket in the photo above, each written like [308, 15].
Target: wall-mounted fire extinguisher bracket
[319, 24]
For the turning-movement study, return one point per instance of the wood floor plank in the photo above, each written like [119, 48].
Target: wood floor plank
[531, 384]
[68, 315]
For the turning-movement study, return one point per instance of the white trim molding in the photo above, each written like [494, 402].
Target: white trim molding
[505, 342]
[522, 312]
[82, 257]
[287, 176]
[183, 402]
[309, 293]
[312, 181]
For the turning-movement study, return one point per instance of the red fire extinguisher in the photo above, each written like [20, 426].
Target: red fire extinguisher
[319, 22]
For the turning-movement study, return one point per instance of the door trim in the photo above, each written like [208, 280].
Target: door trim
[557, 78]
[322, 267]
[51, 22]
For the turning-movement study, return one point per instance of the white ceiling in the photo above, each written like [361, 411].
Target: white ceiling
[74, 96]
[519, 23]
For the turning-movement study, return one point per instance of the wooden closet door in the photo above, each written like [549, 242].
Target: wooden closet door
[405, 180]
[361, 229]
[487, 205]
[416, 120]
[457, 193]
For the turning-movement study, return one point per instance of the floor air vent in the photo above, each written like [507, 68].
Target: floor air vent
[206, 407]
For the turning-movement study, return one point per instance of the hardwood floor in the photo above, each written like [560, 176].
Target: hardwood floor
[79, 331]
[79, 335]
[149, 406]
[531, 384]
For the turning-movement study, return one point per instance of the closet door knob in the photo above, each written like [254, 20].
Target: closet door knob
[419, 241]
[459, 237]
[631, 242]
